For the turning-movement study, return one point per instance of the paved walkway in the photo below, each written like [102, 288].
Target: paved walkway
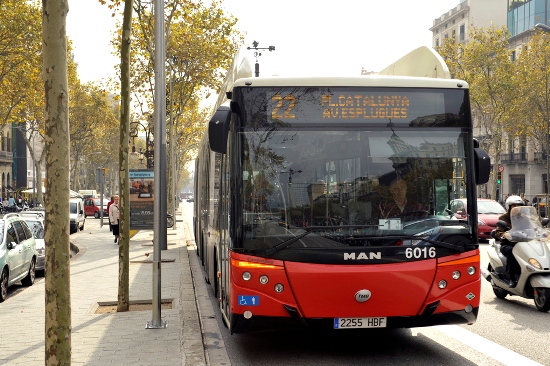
[114, 338]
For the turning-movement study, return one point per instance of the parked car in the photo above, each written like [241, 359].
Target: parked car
[18, 253]
[92, 207]
[35, 220]
[76, 213]
[488, 212]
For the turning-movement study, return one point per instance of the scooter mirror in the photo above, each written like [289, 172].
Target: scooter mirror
[493, 234]
[502, 224]
[545, 221]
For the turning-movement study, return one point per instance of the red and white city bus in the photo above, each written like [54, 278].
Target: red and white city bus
[293, 216]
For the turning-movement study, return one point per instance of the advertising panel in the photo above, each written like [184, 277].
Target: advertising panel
[141, 199]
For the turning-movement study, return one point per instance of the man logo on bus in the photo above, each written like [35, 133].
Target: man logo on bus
[362, 295]
[362, 255]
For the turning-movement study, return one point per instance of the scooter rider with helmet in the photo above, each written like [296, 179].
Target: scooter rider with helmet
[506, 246]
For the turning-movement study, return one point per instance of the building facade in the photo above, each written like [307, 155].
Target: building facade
[6, 160]
[468, 13]
[525, 168]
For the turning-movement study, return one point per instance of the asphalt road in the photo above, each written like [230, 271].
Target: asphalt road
[508, 332]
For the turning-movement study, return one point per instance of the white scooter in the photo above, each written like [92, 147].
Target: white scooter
[532, 253]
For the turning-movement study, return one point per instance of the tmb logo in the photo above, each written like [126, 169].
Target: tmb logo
[362, 295]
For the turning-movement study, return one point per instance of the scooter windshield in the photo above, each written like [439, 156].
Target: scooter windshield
[526, 225]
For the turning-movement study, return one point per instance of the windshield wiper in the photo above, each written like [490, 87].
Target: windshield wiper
[309, 230]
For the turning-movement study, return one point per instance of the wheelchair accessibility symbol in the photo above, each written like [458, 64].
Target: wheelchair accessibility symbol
[249, 300]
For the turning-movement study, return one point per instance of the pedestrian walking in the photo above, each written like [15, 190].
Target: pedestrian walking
[525, 200]
[109, 205]
[114, 217]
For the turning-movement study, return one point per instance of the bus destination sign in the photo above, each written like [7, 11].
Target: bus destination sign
[308, 105]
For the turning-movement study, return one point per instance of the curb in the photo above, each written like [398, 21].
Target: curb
[214, 347]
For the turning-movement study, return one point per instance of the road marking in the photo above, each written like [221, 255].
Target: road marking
[485, 346]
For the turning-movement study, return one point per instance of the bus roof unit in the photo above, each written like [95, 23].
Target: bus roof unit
[422, 62]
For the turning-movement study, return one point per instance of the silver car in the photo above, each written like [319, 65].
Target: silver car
[17, 253]
[35, 220]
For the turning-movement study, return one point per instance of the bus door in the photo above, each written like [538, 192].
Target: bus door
[223, 246]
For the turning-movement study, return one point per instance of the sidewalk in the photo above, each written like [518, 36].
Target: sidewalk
[115, 338]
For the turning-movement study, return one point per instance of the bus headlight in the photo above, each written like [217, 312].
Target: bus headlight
[456, 275]
[442, 284]
[279, 288]
[247, 276]
[471, 270]
[264, 279]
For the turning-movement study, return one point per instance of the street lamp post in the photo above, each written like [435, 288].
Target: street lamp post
[33, 174]
[290, 172]
[172, 142]
[149, 145]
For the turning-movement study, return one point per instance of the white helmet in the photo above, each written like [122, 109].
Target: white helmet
[513, 200]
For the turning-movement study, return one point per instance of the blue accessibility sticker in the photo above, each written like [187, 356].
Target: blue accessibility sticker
[249, 300]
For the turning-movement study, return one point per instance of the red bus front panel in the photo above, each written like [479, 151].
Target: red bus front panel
[330, 290]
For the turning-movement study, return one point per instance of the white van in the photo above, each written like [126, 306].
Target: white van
[76, 212]
[88, 193]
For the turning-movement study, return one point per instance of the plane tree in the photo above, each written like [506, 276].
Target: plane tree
[206, 25]
[94, 126]
[533, 94]
[56, 138]
[200, 43]
[21, 85]
[484, 62]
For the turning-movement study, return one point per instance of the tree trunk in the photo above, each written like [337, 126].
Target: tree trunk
[57, 221]
[124, 177]
[39, 197]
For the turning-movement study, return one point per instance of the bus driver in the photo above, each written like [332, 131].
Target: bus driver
[399, 205]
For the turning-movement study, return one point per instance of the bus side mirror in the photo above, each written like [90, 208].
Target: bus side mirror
[218, 129]
[482, 165]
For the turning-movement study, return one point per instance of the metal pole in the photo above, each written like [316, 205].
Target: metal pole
[33, 173]
[102, 188]
[547, 167]
[159, 204]
[172, 151]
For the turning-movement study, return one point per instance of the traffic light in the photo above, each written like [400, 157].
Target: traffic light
[499, 177]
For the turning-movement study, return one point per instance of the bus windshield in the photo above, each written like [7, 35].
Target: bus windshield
[310, 184]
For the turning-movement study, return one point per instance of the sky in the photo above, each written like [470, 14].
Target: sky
[311, 37]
